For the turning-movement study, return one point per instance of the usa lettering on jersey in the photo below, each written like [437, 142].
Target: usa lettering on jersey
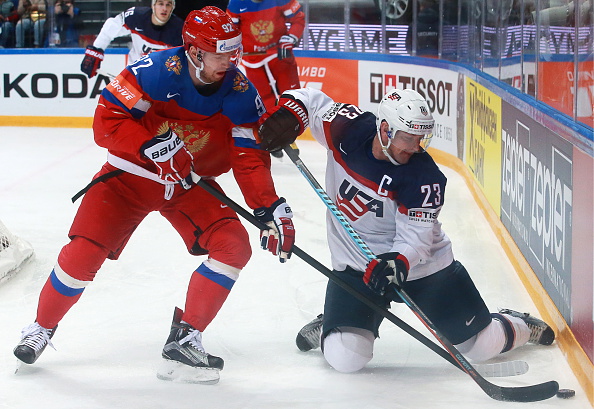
[354, 203]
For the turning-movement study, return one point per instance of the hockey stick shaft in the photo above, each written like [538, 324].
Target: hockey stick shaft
[105, 74]
[516, 368]
[518, 394]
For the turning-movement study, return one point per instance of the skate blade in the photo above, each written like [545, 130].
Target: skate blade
[177, 372]
[19, 363]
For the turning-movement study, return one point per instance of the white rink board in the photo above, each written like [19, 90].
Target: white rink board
[52, 84]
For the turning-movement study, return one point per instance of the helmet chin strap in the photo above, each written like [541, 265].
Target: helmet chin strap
[385, 147]
[198, 70]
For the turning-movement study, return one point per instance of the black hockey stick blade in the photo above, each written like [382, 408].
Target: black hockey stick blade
[530, 393]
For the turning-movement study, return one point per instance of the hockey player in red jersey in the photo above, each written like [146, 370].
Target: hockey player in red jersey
[173, 114]
[150, 28]
[391, 192]
[264, 27]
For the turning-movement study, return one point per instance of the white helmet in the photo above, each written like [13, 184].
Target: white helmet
[405, 110]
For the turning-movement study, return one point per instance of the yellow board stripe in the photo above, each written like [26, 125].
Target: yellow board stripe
[47, 121]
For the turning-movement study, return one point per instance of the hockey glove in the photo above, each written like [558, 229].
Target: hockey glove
[285, 123]
[388, 269]
[92, 61]
[172, 158]
[285, 46]
[280, 236]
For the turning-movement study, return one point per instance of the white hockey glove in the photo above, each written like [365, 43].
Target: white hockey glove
[280, 236]
[285, 46]
[172, 158]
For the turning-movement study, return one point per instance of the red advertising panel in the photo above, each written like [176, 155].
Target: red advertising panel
[336, 77]
[556, 82]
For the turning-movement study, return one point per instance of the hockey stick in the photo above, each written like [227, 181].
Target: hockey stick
[503, 393]
[105, 74]
[510, 368]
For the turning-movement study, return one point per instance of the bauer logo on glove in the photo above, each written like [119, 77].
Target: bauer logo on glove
[285, 123]
[92, 61]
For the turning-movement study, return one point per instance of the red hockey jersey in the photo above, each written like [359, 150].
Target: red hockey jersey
[263, 24]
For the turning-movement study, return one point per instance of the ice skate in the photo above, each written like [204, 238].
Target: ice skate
[184, 357]
[34, 339]
[540, 332]
[309, 336]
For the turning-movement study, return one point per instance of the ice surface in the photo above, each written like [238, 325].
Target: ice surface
[109, 344]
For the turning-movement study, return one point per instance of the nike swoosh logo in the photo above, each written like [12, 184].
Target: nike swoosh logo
[172, 95]
[470, 321]
[138, 29]
[242, 10]
[340, 148]
[223, 206]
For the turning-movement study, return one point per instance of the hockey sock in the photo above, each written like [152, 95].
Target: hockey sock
[74, 270]
[516, 331]
[208, 289]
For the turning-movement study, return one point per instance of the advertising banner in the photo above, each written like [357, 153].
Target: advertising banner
[582, 262]
[556, 84]
[537, 201]
[435, 84]
[483, 141]
[55, 88]
[337, 78]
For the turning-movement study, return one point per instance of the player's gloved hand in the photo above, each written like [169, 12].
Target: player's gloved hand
[285, 46]
[280, 236]
[92, 61]
[388, 269]
[173, 159]
[285, 123]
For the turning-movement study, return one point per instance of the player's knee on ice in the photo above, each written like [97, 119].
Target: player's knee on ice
[348, 349]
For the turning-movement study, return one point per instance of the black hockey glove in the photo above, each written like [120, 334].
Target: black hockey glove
[388, 269]
[92, 61]
[285, 123]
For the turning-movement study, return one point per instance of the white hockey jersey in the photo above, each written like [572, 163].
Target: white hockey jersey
[146, 37]
[393, 208]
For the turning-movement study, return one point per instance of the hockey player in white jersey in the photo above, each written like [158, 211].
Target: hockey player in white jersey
[391, 191]
[150, 28]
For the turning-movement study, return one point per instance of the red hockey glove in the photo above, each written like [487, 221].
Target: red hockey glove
[285, 46]
[92, 61]
[285, 123]
[173, 159]
[386, 270]
[280, 236]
